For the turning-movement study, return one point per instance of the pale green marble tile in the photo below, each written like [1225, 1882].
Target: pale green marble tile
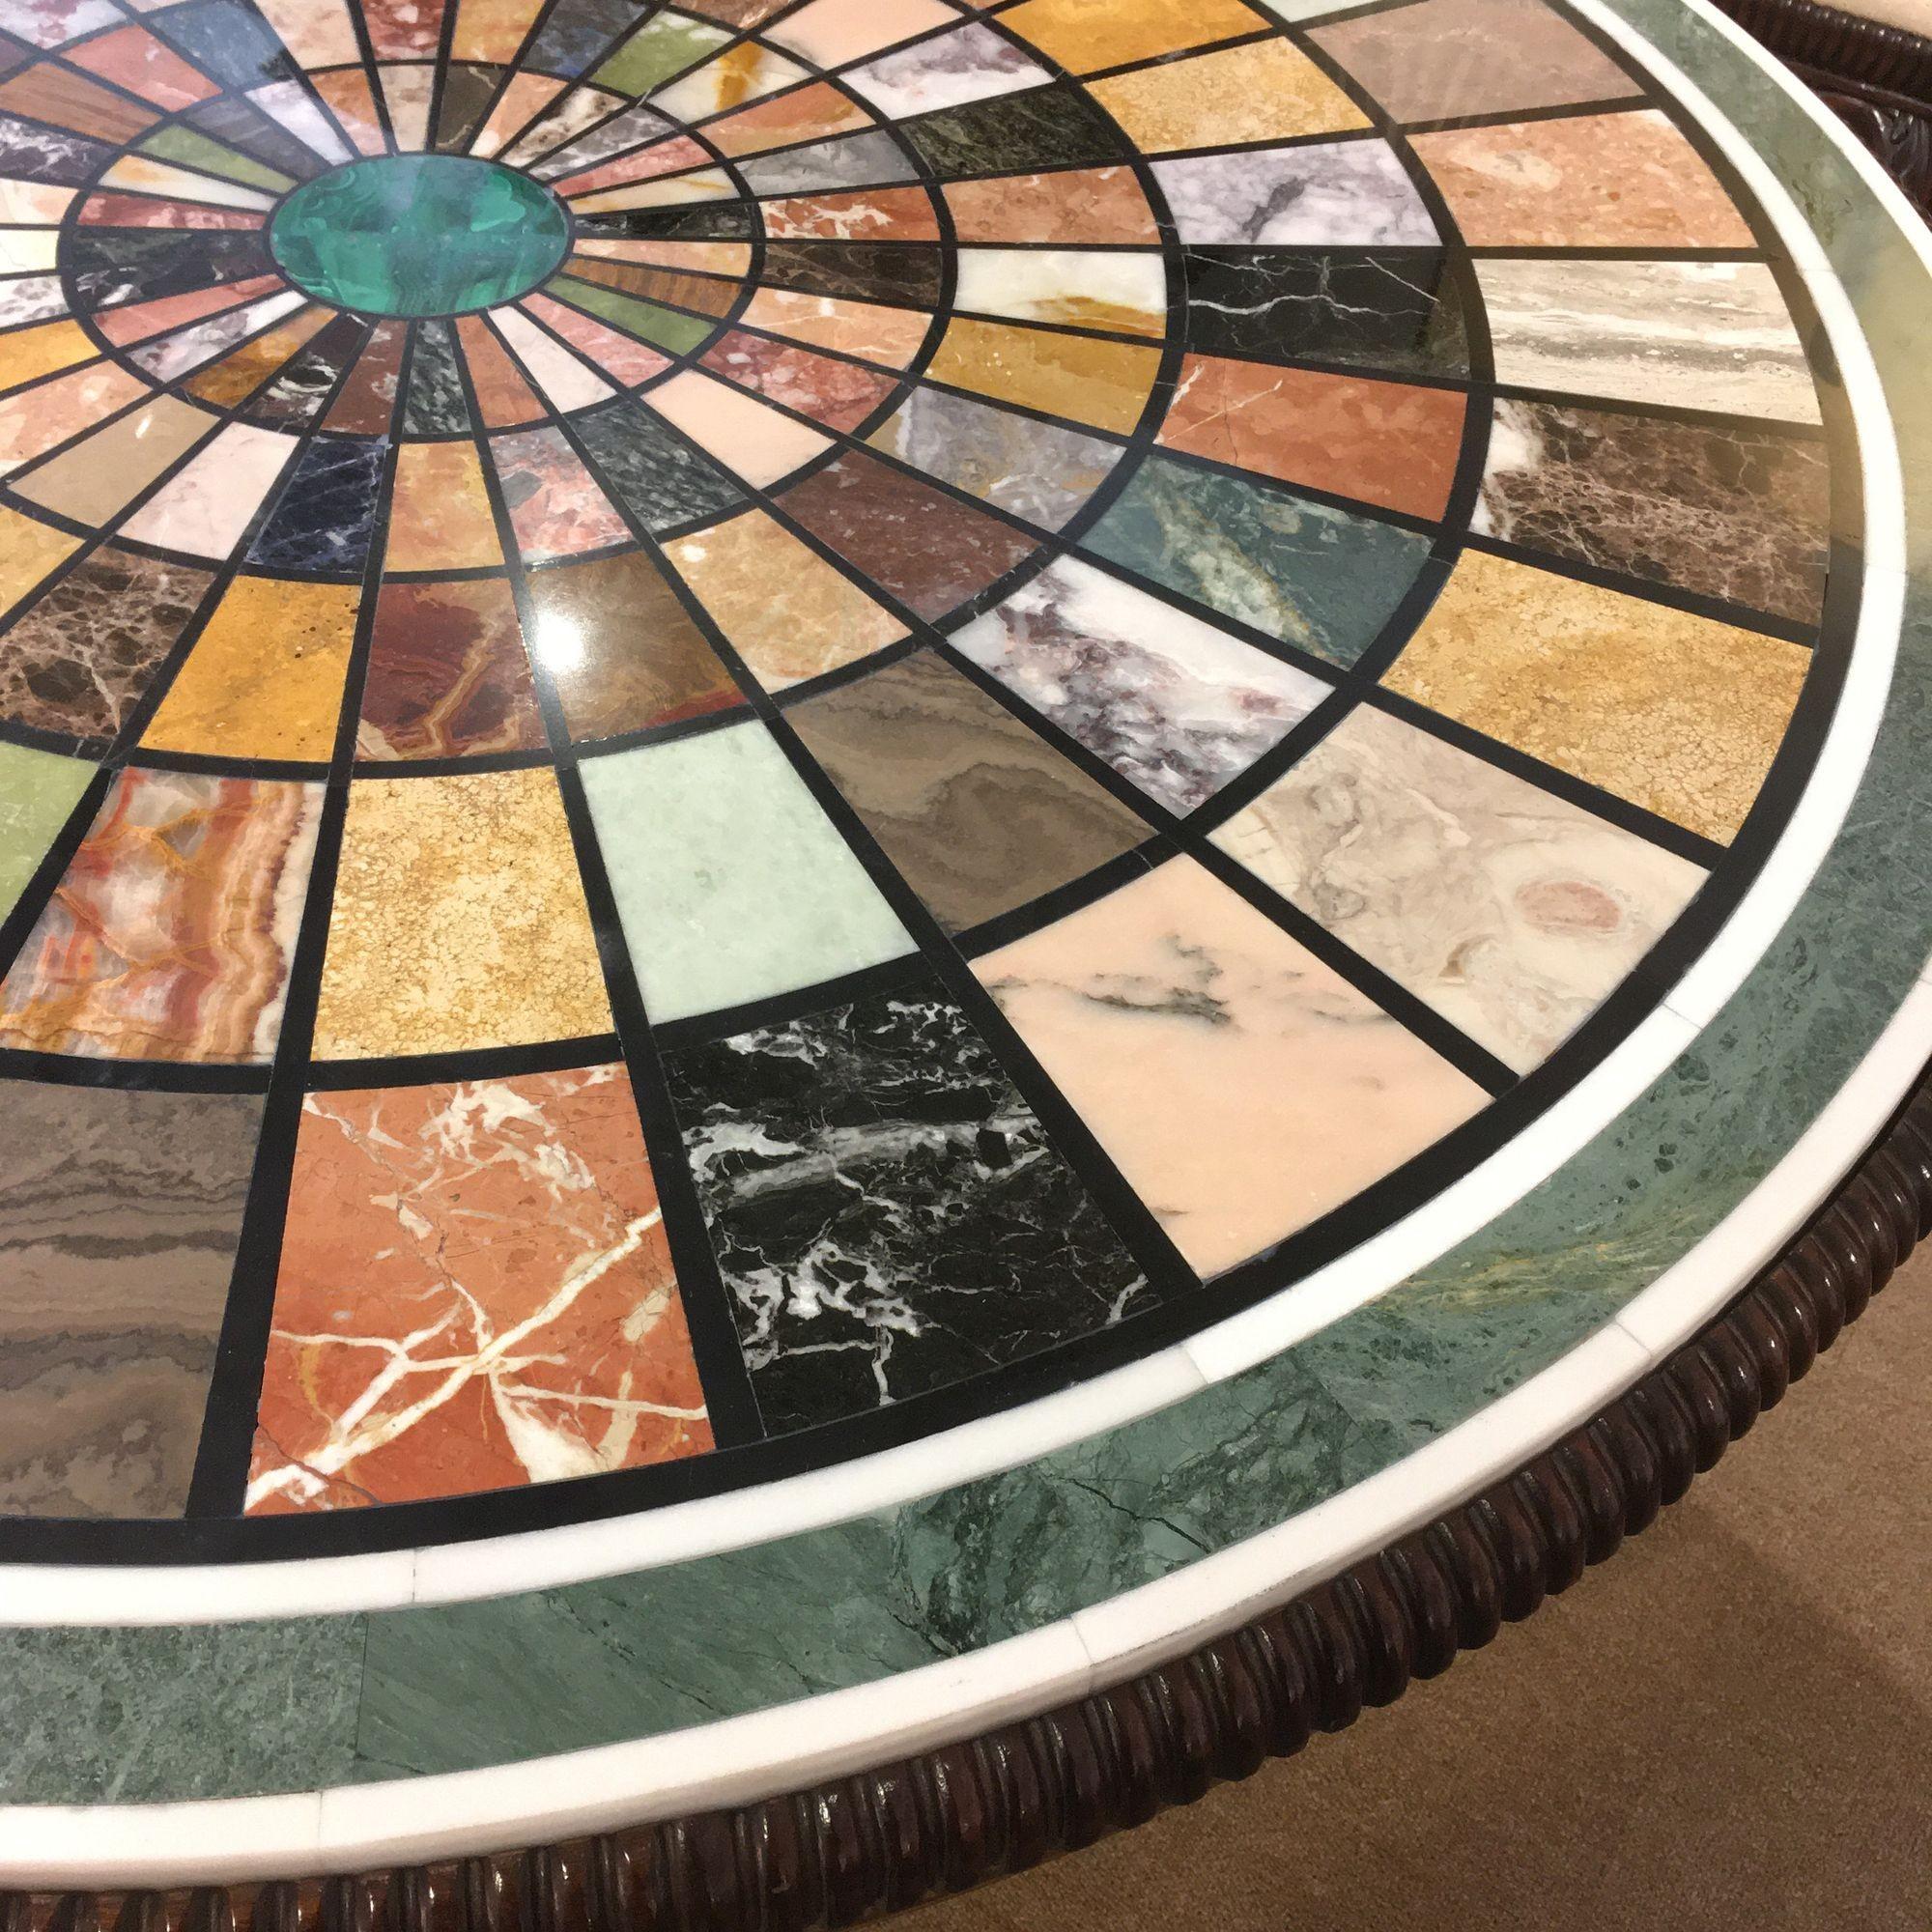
[661, 47]
[38, 791]
[731, 882]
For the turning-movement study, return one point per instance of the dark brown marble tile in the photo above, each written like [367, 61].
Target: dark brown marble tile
[448, 674]
[124, 1210]
[78, 661]
[368, 396]
[623, 651]
[926, 549]
[886, 272]
[706, 293]
[976, 811]
[65, 99]
[1739, 512]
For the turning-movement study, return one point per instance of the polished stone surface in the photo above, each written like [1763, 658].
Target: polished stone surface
[718, 752]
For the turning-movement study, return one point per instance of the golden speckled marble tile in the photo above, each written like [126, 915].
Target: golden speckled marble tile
[1676, 713]
[1263, 92]
[264, 679]
[28, 550]
[459, 921]
[1105, 384]
[1086, 35]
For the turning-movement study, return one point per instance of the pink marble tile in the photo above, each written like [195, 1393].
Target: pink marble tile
[208, 505]
[749, 438]
[1241, 1087]
[66, 406]
[555, 507]
[622, 356]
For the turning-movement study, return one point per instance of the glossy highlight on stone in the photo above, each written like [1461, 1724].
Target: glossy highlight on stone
[419, 235]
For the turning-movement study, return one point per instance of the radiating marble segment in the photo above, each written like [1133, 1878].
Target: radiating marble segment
[927, 549]
[124, 1210]
[30, 202]
[169, 934]
[264, 680]
[503, 398]
[666, 45]
[459, 921]
[89, 480]
[744, 13]
[856, 214]
[80, 659]
[138, 174]
[1440, 58]
[30, 298]
[1677, 713]
[841, 394]
[288, 105]
[554, 505]
[588, 161]
[468, 94]
[35, 153]
[567, 383]
[1327, 194]
[829, 33]
[1400, 313]
[892, 336]
[576, 111]
[306, 383]
[743, 72]
[1042, 472]
[1016, 134]
[475, 1293]
[325, 518]
[38, 791]
[434, 405]
[815, 113]
[859, 160]
[346, 93]
[238, 375]
[1270, 91]
[1105, 384]
[1282, 1092]
[977, 813]
[1383, 442]
[1090, 288]
[1083, 36]
[402, 30]
[439, 516]
[1585, 180]
[30, 550]
[173, 355]
[1511, 912]
[1098, 207]
[786, 611]
[63, 99]
[1734, 510]
[1709, 335]
[29, 250]
[207, 506]
[731, 882]
[657, 475]
[888, 1213]
[447, 676]
[1176, 706]
[1323, 580]
[188, 149]
[747, 437]
[622, 650]
[367, 398]
[132, 58]
[490, 30]
[623, 357]
[522, 97]
[971, 62]
[49, 23]
[32, 353]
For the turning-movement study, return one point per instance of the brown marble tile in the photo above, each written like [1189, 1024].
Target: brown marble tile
[925, 548]
[1440, 58]
[475, 1293]
[40, 418]
[353, 103]
[1077, 376]
[368, 395]
[63, 99]
[621, 649]
[1388, 443]
[447, 675]
[1735, 510]
[79, 661]
[1585, 181]
[1081, 206]
[977, 813]
[503, 399]
[93, 479]
[124, 1212]
[440, 517]
[30, 551]
[705, 294]
[169, 934]
[146, 211]
[842, 394]
[1676, 713]
[816, 112]
[225, 382]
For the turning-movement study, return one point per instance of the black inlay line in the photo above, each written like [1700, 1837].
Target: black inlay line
[729, 1400]
[222, 1458]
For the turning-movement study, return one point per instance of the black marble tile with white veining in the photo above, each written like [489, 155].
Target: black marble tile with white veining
[304, 383]
[117, 264]
[887, 1212]
[325, 515]
[435, 405]
[29, 152]
[658, 478]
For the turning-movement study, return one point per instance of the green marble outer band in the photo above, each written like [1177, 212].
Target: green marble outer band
[145, 1713]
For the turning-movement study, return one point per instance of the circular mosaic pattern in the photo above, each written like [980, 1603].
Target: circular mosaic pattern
[739, 729]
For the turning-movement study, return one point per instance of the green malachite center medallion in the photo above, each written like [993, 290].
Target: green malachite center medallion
[419, 235]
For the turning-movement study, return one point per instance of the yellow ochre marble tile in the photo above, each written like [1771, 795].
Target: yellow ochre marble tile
[459, 921]
[1085, 35]
[1677, 713]
[1263, 92]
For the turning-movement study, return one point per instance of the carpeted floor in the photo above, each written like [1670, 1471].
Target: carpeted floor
[1729, 1725]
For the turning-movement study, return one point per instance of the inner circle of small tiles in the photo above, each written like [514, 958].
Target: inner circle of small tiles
[1077, 650]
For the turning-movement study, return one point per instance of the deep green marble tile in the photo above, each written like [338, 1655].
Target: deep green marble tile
[1016, 134]
[194, 1711]
[37, 790]
[1319, 578]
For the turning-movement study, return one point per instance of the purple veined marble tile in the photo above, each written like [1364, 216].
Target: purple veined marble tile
[1326, 194]
[1176, 706]
[973, 63]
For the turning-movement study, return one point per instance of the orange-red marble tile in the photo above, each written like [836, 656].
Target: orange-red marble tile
[842, 394]
[503, 398]
[132, 58]
[1092, 207]
[860, 214]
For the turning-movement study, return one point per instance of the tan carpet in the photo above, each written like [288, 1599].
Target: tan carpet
[1726, 1729]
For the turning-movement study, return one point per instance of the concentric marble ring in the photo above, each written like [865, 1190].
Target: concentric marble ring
[759, 758]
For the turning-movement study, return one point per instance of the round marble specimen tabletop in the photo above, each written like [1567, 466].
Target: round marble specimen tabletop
[854, 853]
